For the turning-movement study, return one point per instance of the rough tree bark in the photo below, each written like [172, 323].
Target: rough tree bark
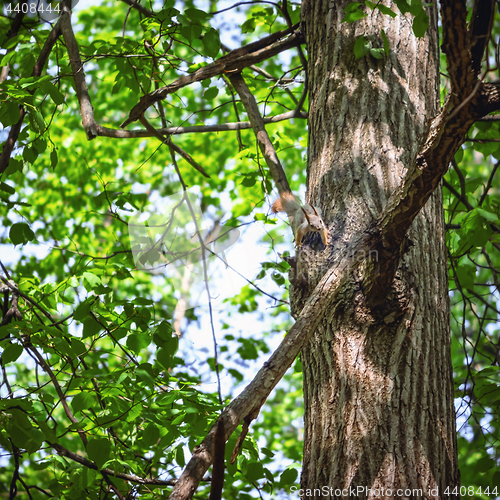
[378, 386]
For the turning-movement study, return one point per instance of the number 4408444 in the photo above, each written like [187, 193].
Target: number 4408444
[471, 491]
[32, 8]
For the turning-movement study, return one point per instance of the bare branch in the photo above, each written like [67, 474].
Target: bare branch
[489, 183]
[492, 118]
[265, 144]
[480, 30]
[456, 46]
[197, 129]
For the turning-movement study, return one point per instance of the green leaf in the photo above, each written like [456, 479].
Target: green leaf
[377, 53]
[250, 180]
[21, 233]
[480, 236]
[82, 401]
[9, 113]
[179, 456]
[151, 435]
[421, 24]
[6, 188]
[254, 472]
[98, 450]
[353, 12]
[386, 42]
[382, 8]
[288, 477]
[30, 154]
[484, 464]
[248, 26]
[466, 275]
[56, 96]
[211, 93]
[196, 14]
[11, 353]
[403, 6]
[261, 275]
[236, 374]
[136, 342]
[82, 310]
[278, 278]
[496, 478]
[361, 47]
[53, 158]
[472, 221]
[90, 327]
[211, 42]
[35, 440]
[88, 477]
[165, 358]
[92, 279]
[20, 434]
[78, 347]
[385, 10]
[489, 216]
[459, 155]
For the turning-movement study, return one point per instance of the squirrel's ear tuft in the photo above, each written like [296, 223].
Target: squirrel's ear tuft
[305, 213]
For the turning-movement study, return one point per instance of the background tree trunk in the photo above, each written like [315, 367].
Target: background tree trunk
[378, 386]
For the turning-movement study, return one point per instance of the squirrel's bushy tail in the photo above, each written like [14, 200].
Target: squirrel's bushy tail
[286, 203]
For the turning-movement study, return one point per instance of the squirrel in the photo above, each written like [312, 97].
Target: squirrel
[303, 218]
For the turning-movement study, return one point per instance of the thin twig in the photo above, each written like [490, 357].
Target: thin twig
[489, 183]
[177, 149]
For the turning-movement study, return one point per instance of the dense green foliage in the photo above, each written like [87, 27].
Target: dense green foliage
[96, 340]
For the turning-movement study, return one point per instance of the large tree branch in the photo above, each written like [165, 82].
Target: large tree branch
[235, 61]
[82, 92]
[446, 135]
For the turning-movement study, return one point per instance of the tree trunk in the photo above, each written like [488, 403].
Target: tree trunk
[378, 385]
